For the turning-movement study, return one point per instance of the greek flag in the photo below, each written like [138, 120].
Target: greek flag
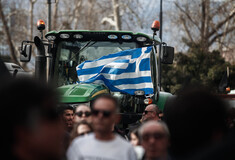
[126, 71]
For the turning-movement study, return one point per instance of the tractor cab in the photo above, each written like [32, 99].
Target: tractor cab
[74, 47]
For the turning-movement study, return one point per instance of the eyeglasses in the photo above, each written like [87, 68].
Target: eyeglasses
[84, 133]
[156, 136]
[79, 114]
[105, 114]
[146, 112]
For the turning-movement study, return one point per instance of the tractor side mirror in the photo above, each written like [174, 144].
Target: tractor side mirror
[25, 54]
[167, 55]
[70, 64]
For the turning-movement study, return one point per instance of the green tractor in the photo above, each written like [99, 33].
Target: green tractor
[66, 49]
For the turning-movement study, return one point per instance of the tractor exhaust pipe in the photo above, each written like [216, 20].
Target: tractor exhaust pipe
[40, 61]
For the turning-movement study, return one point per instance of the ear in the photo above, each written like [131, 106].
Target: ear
[117, 118]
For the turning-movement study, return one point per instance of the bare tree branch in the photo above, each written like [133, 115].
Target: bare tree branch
[116, 15]
[78, 6]
[90, 21]
[220, 24]
[216, 10]
[74, 11]
[206, 30]
[135, 14]
[203, 20]
[9, 40]
[221, 34]
[208, 17]
[10, 14]
[223, 37]
[187, 15]
[109, 20]
[187, 30]
[55, 15]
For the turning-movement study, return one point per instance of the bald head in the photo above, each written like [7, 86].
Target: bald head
[154, 107]
[154, 124]
[151, 113]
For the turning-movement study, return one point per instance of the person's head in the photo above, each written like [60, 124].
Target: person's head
[81, 128]
[150, 113]
[134, 137]
[104, 109]
[154, 136]
[66, 113]
[196, 119]
[82, 113]
[33, 129]
[84, 128]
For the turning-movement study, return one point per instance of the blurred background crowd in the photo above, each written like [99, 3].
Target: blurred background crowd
[195, 124]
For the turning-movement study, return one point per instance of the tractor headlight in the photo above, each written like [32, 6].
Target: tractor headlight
[64, 36]
[78, 36]
[139, 93]
[141, 39]
[148, 101]
[51, 38]
[112, 36]
[126, 37]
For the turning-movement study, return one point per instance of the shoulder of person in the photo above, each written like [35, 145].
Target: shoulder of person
[122, 140]
[83, 139]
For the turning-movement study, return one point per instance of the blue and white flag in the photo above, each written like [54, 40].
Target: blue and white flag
[126, 71]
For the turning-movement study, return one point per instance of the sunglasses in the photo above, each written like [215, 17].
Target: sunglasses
[79, 114]
[105, 114]
[156, 136]
[84, 133]
[146, 112]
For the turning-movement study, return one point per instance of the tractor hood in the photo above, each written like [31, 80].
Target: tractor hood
[81, 93]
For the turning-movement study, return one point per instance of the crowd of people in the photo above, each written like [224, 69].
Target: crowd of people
[193, 125]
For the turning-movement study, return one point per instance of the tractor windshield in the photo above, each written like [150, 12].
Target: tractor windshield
[70, 54]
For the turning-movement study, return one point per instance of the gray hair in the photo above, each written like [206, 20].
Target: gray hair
[149, 123]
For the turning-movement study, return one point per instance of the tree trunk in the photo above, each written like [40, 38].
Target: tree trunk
[55, 16]
[90, 19]
[31, 19]
[204, 25]
[7, 33]
[116, 15]
[77, 15]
